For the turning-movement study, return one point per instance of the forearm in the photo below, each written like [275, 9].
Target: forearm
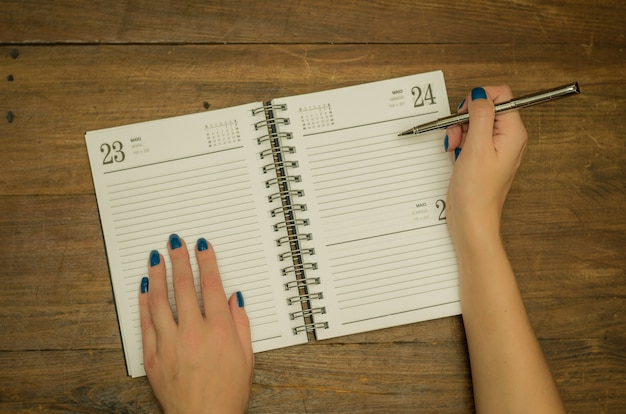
[509, 371]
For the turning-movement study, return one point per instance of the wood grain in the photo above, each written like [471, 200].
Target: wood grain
[322, 21]
[66, 68]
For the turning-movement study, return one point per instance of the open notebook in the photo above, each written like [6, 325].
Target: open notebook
[323, 217]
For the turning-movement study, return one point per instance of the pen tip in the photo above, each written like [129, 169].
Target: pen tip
[408, 132]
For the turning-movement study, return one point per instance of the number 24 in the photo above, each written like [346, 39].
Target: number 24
[422, 97]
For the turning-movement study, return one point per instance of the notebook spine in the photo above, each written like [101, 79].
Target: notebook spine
[291, 226]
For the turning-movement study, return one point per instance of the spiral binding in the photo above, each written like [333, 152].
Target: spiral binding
[285, 209]
[307, 312]
[298, 268]
[310, 327]
[280, 195]
[294, 222]
[281, 164]
[282, 180]
[304, 298]
[298, 251]
[269, 107]
[272, 151]
[271, 123]
[302, 283]
[292, 225]
[267, 137]
[290, 238]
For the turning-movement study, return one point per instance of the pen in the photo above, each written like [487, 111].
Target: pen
[516, 103]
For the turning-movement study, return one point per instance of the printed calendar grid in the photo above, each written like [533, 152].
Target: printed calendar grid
[316, 116]
[222, 133]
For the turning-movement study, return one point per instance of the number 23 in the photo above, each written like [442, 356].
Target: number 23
[112, 153]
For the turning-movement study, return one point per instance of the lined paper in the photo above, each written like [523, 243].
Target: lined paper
[372, 205]
[377, 205]
[145, 212]
[387, 257]
[202, 186]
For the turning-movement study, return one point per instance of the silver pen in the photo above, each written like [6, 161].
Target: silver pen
[516, 103]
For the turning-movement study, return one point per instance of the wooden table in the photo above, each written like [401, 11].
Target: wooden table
[66, 68]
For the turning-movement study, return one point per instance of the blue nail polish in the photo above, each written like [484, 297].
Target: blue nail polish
[457, 152]
[144, 285]
[460, 105]
[202, 244]
[445, 143]
[478, 93]
[239, 299]
[155, 258]
[175, 242]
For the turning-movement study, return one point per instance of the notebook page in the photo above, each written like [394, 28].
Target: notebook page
[197, 176]
[376, 203]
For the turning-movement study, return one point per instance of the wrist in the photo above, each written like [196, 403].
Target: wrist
[475, 236]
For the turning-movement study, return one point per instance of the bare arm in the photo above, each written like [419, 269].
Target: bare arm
[509, 371]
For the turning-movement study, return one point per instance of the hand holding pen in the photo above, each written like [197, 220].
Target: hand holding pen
[488, 152]
[507, 362]
[516, 103]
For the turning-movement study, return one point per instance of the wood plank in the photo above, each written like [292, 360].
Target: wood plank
[364, 378]
[323, 21]
[56, 288]
[59, 93]
[396, 377]
[68, 67]
[79, 380]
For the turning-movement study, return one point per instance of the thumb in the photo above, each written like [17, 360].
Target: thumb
[482, 115]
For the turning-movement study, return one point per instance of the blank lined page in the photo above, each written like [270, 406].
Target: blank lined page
[377, 203]
[192, 176]
[386, 239]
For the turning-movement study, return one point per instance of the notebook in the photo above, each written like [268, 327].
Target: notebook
[325, 219]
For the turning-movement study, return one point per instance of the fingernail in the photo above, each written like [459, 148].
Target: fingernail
[239, 299]
[445, 143]
[478, 93]
[155, 258]
[457, 152]
[175, 242]
[144, 284]
[460, 105]
[202, 244]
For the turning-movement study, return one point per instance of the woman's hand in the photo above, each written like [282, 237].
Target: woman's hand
[200, 363]
[488, 152]
[509, 371]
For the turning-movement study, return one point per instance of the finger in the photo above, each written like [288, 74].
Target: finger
[455, 133]
[500, 93]
[182, 278]
[506, 122]
[480, 130]
[453, 138]
[242, 324]
[148, 331]
[158, 301]
[213, 296]
[509, 120]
